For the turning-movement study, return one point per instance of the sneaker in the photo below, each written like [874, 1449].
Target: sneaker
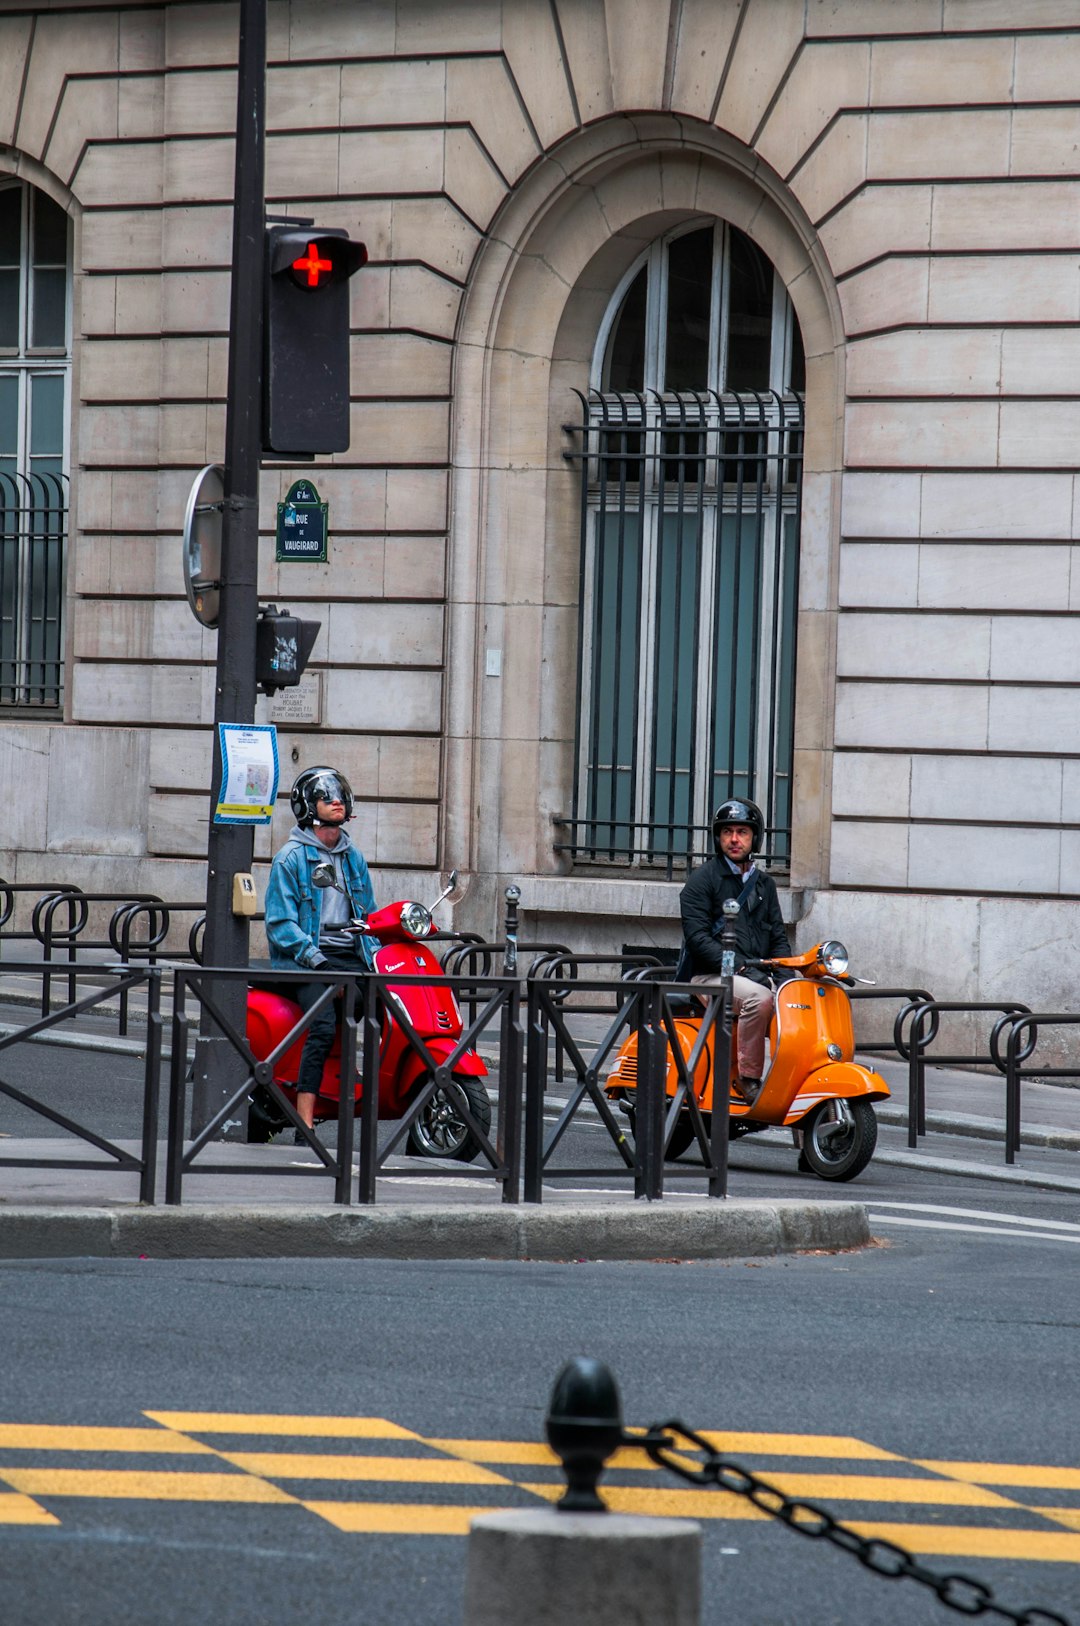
[749, 1089]
[299, 1138]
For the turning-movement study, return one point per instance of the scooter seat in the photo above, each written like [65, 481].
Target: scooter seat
[263, 985]
[686, 1005]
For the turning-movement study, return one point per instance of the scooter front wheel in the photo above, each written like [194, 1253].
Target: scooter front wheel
[441, 1130]
[839, 1138]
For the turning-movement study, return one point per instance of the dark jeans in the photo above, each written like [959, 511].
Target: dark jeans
[320, 1035]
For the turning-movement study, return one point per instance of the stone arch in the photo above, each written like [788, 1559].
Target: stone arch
[525, 339]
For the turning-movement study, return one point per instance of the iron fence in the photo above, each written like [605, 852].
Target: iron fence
[116, 1158]
[362, 1040]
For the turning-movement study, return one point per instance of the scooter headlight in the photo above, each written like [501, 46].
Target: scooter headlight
[416, 919]
[834, 957]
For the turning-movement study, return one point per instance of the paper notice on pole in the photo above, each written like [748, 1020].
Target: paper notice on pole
[249, 773]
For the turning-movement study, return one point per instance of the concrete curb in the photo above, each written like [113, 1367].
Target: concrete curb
[1009, 1174]
[975, 1128]
[709, 1230]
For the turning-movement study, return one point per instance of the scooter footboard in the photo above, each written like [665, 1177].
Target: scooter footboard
[846, 1079]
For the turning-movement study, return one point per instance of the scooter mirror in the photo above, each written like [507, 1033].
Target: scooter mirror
[454, 888]
[323, 876]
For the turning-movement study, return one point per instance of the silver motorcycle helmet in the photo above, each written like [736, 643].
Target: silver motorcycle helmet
[315, 785]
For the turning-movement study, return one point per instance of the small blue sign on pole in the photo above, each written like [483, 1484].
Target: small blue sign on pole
[302, 527]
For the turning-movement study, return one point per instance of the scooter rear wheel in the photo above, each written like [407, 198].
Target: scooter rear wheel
[682, 1136]
[839, 1138]
[441, 1131]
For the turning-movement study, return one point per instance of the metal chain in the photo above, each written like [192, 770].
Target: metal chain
[886, 1558]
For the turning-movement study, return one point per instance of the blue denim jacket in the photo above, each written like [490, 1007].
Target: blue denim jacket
[294, 904]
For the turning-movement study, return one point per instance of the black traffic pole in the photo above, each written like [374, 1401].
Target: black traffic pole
[231, 847]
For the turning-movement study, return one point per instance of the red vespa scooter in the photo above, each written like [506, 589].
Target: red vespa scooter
[440, 1130]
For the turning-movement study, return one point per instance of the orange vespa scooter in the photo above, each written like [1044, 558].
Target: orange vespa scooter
[813, 1083]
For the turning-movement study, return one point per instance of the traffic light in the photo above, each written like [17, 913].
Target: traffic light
[306, 339]
[283, 644]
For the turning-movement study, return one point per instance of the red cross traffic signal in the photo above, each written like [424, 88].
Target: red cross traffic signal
[309, 268]
[306, 339]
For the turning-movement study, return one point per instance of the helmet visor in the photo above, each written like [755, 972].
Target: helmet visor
[330, 787]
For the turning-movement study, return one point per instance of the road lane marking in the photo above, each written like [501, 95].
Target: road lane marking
[392, 1470]
[131, 1485]
[885, 1488]
[34, 1437]
[228, 1422]
[527, 1454]
[799, 1445]
[977, 1541]
[663, 1504]
[15, 1508]
[397, 1518]
[1034, 1475]
[983, 1214]
[959, 1225]
[1069, 1516]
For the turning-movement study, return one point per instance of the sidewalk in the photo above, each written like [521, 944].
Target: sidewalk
[77, 1212]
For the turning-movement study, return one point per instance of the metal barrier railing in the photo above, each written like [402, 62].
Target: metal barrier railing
[641, 1008]
[361, 1051]
[1017, 1052]
[56, 937]
[8, 892]
[897, 1043]
[919, 1042]
[129, 947]
[121, 1160]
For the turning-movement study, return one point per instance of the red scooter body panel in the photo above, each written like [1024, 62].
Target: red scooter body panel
[433, 1012]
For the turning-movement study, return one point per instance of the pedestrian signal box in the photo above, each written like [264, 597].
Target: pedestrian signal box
[306, 339]
[283, 644]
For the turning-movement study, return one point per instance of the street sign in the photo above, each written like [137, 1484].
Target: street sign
[302, 530]
[202, 544]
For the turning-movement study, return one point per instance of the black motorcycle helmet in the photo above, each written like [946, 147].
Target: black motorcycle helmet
[319, 785]
[737, 811]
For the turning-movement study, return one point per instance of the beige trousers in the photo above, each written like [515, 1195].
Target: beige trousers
[753, 1005]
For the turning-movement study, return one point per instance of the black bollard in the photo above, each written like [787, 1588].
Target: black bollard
[584, 1426]
[513, 896]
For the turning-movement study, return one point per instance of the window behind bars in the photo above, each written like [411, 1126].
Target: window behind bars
[690, 501]
[34, 381]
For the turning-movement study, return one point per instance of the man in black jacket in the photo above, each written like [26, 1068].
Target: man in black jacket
[738, 831]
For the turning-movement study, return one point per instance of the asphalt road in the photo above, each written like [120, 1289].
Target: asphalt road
[949, 1347]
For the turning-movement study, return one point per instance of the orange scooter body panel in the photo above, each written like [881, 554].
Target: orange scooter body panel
[810, 1016]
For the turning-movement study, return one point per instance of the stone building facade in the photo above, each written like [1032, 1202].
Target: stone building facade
[900, 178]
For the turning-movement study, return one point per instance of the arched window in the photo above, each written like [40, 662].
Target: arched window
[691, 455]
[35, 367]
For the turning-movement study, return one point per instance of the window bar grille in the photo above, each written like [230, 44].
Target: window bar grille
[33, 528]
[754, 461]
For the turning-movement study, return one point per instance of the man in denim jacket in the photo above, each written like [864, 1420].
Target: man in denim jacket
[307, 925]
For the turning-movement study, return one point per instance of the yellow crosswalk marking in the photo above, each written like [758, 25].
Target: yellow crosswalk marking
[227, 1422]
[978, 1541]
[415, 1470]
[884, 1488]
[664, 1504]
[35, 1437]
[1069, 1516]
[397, 1518]
[798, 1445]
[152, 1487]
[527, 1454]
[1008, 1473]
[450, 1465]
[18, 1509]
